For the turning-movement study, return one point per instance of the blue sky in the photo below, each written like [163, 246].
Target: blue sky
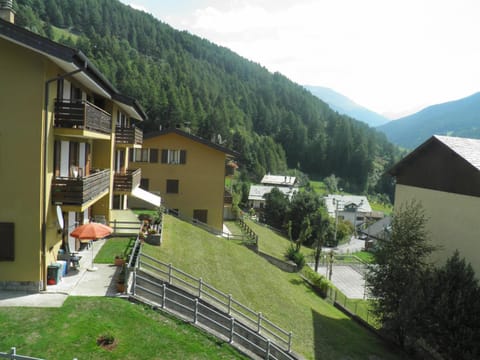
[391, 56]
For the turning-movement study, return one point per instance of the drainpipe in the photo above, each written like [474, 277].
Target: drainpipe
[45, 152]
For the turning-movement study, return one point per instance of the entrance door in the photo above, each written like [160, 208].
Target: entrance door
[200, 215]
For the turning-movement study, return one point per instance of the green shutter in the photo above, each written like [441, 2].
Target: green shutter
[183, 156]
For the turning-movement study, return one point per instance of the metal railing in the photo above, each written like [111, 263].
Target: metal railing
[225, 302]
[12, 355]
[79, 190]
[243, 238]
[81, 114]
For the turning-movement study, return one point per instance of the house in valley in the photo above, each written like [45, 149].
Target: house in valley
[256, 194]
[189, 172]
[279, 181]
[287, 185]
[65, 132]
[352, 208]
[443, 174]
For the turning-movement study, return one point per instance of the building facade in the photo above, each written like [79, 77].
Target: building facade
[59, 118]
[443, 174]
[188, 171]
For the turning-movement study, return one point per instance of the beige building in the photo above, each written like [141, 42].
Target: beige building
[189, 173]
[65, 132]
[444, 175]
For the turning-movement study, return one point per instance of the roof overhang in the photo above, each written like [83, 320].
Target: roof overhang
[147, 196]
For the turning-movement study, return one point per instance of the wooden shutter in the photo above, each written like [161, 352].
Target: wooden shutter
[153, 155]
[7, 242]
[130, 154]
[56, 157]
[172, 186]
[183, 156]
[164, 159]
[88, 159]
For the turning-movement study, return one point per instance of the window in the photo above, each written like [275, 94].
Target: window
[172, 186]
[200, 215]
[122, 120]
[174, 156]
[144, 155]
[7, 242]
[144, 184]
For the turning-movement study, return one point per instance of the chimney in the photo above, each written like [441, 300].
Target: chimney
[6, 11]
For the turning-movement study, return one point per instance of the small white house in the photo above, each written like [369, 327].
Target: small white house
[352, 208]
[279, 180]
[256, 195]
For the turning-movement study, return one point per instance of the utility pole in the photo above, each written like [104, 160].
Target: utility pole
[330, 265]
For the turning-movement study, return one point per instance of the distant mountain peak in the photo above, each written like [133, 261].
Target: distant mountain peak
[346, 106]
[459, 118]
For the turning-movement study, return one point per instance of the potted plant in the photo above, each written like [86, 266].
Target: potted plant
[119, 260]
[121, 280]
[153, 237]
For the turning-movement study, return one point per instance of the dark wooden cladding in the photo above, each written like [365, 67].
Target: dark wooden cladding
[229, 170]
[437, 167]
[128, 136]
[82, 114]
[78, 191]
[227, 198]
[128, 181]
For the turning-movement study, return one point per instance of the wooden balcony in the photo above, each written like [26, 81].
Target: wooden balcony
[126, 182]
[80, 114]
[227, 198]
[79, 191]
[128, 136]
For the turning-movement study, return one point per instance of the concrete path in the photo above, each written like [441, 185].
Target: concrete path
[349, 281]
[80, 282]
[352, 246]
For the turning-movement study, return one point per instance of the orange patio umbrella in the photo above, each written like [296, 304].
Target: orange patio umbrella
[91, 231]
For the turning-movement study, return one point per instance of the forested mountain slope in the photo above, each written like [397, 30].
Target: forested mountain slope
[454, 118]
[273, 122]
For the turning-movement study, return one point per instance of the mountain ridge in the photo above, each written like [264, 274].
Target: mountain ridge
[344, 105]
[453, 118]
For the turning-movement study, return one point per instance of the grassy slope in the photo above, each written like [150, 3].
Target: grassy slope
[72, 330]
[320, 331]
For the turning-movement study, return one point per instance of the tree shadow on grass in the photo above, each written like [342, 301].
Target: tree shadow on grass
[340, 337]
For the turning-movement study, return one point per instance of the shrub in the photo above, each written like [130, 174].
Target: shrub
[318, 282]
[296, 256]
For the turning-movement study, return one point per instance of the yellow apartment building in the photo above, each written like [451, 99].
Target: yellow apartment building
[65, 134]
[188, 171]
[443, 174]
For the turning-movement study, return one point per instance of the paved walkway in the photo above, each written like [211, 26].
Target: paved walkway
[350, 282]
[81, 282]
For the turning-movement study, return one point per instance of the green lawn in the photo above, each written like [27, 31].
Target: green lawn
[269, 241]
[59, 33]
[112, 248]
[72, 332]
[319, 187]
[385, 208]
[365, 256]
[319, 330]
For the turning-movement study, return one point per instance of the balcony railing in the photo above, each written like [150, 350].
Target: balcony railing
[80, 190]
[227, 198]
[127, 181]
[128, 136]
[80, 114]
